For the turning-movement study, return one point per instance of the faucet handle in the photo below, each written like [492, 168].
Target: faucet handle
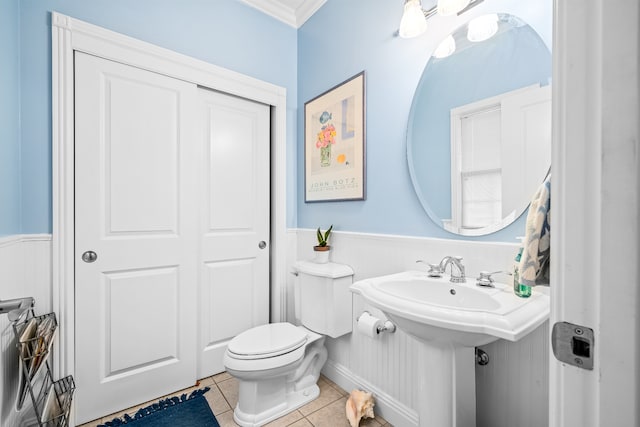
[434, 269]
[485, 279]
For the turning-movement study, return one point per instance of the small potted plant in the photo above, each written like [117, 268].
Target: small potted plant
[322, 248]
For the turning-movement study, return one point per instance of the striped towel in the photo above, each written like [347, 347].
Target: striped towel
[534, 263]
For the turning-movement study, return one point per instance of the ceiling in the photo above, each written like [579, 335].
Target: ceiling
[291, 12]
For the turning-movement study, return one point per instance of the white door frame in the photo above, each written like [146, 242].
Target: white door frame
[69, 35]
[595, 244]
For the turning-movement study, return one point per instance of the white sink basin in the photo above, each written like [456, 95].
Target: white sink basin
[434, 309]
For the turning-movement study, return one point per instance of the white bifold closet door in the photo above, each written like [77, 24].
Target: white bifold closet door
[174, 224]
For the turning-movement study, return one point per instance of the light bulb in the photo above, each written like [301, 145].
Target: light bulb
[445, 48]
[413, 22]
[482, 28]
[451, 7]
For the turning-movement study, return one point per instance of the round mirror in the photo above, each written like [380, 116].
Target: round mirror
[479, 132]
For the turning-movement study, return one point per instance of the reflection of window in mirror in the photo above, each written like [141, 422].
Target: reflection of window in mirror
[493, 155]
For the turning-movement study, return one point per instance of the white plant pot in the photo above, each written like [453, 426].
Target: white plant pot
[322, 257]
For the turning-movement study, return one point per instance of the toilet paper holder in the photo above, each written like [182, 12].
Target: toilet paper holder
[386, 326]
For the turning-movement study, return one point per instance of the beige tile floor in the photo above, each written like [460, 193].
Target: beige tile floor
[325, 411]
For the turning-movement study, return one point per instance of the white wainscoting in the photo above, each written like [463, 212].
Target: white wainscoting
[511, 391]
[25, 271]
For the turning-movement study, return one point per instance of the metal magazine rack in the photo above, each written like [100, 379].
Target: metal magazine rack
[34, 337]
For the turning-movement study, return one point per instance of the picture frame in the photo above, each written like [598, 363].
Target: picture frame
[334, 143]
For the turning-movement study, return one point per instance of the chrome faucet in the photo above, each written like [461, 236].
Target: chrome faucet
[455, 261]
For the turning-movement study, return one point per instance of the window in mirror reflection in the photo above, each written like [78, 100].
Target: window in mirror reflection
[495, 155]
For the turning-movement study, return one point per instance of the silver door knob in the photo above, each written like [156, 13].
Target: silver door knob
[262, 244]
[89, 256]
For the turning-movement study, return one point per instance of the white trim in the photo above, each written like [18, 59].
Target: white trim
[389, 238]
[389, 408]
[279, 237]
[454, 224]
[595, 194]
[276, 10]
[19, 238]
[293, 16]
[306, 10]
[69, 35]
[108, 44]
[577, 40]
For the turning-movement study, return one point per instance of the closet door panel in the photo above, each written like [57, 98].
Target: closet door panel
[235, 222]
[136, 209]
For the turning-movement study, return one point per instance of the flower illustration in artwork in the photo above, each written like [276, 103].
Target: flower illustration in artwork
[326, 138]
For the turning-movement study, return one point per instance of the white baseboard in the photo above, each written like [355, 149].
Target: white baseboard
[389, 408]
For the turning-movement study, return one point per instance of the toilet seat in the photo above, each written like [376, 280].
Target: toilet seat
[267, 341]
[269, 346]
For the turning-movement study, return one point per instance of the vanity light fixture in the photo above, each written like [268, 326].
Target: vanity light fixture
[414, 21]
[451, 7]
[414, 17]
[445, 48]
[482, 28]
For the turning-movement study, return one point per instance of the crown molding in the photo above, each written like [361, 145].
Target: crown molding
[307, 9]
[283, 11]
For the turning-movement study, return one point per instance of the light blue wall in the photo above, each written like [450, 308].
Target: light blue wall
[342, 39]
[9, 117]
[223, 32]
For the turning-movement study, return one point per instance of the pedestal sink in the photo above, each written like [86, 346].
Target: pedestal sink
[450, 319]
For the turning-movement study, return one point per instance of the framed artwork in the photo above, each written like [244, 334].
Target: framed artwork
[334, 143]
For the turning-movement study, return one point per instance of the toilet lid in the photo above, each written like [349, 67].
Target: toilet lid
[267, 341]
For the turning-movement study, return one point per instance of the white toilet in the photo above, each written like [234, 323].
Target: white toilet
[278, 365]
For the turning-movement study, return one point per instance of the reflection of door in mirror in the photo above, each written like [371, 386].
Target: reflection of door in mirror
[496, 155]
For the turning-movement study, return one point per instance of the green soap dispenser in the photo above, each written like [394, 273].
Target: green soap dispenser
[523, 291]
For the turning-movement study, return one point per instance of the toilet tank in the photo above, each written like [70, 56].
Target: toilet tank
[323, 300]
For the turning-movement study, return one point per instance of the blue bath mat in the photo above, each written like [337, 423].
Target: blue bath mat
[182, 411]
